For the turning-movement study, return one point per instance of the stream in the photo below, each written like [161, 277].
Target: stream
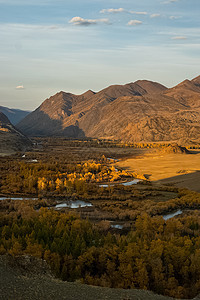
[17, 198]
[171, 215]
[73, 204]
[134, 181]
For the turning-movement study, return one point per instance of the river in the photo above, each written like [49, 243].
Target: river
[171, 215]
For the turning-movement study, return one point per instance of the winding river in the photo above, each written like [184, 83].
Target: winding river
[171, 215]
[17, 198]
[73, 204]
[134, 181]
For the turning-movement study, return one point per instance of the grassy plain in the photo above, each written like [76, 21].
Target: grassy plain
[182, 170]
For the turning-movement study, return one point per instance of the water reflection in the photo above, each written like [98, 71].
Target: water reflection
[73, 204]
[135, 181]
[16, 198]
[171, 215]
[117, 226]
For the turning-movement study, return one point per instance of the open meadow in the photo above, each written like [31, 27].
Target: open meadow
[181, 170]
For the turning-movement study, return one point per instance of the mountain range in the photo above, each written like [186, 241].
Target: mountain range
[140, 111]
[14, 115]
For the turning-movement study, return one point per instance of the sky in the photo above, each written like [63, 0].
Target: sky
[75, 45]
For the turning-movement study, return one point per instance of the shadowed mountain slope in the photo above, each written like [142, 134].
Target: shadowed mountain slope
[11, 140]
[27, 277]
[139, 111]
[14, 115]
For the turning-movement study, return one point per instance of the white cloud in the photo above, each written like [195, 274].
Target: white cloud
[112, 10]
[33, 27]
[87, 22]
[29, 2]
[120, 10]
[134, 22]
[138, 12]
[20, 87]
[174, 17]
[179, 38]
[170, 1]
[155, 15]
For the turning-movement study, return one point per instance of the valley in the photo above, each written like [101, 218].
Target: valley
[99, 150]
[105, 187]
[88, 190]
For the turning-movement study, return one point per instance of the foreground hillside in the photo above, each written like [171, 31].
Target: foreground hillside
[139, 111]
[28, 279]
[11, 140]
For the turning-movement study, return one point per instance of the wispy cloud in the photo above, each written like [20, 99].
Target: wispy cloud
[122, 10]
[170, 1]
[174, 17]
[138, 12]
[86, 22]
[25, 2]
[179, 38]
[112, 10]
[155, 15]
[20, 87]
[35, 27]
[134, 22]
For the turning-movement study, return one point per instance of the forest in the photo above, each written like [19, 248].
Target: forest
[160, 256]
[80, 244]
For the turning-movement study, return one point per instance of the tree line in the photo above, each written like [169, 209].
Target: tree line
[160, 256]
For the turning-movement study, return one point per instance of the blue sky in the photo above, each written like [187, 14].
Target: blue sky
[47, 45]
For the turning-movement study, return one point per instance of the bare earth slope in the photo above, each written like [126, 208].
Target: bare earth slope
[139, 111]
[11, 140]
[29, 279]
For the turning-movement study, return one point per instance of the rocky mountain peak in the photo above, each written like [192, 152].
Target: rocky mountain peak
[138, 111]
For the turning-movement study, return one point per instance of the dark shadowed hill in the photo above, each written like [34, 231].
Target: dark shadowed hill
[11, 140]
[14, 115]
[29, 278]
[48, 118]
[139, 111]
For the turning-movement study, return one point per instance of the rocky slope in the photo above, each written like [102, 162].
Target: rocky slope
[139, 111]
[11, 140]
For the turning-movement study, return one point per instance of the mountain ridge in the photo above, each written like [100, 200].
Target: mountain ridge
[138, 111]
[13, 114]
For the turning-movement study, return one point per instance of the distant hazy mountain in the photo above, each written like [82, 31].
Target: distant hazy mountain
[139, 111]
[11, 140]
[14, 115]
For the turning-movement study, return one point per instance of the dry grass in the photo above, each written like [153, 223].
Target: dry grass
[183, 170]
